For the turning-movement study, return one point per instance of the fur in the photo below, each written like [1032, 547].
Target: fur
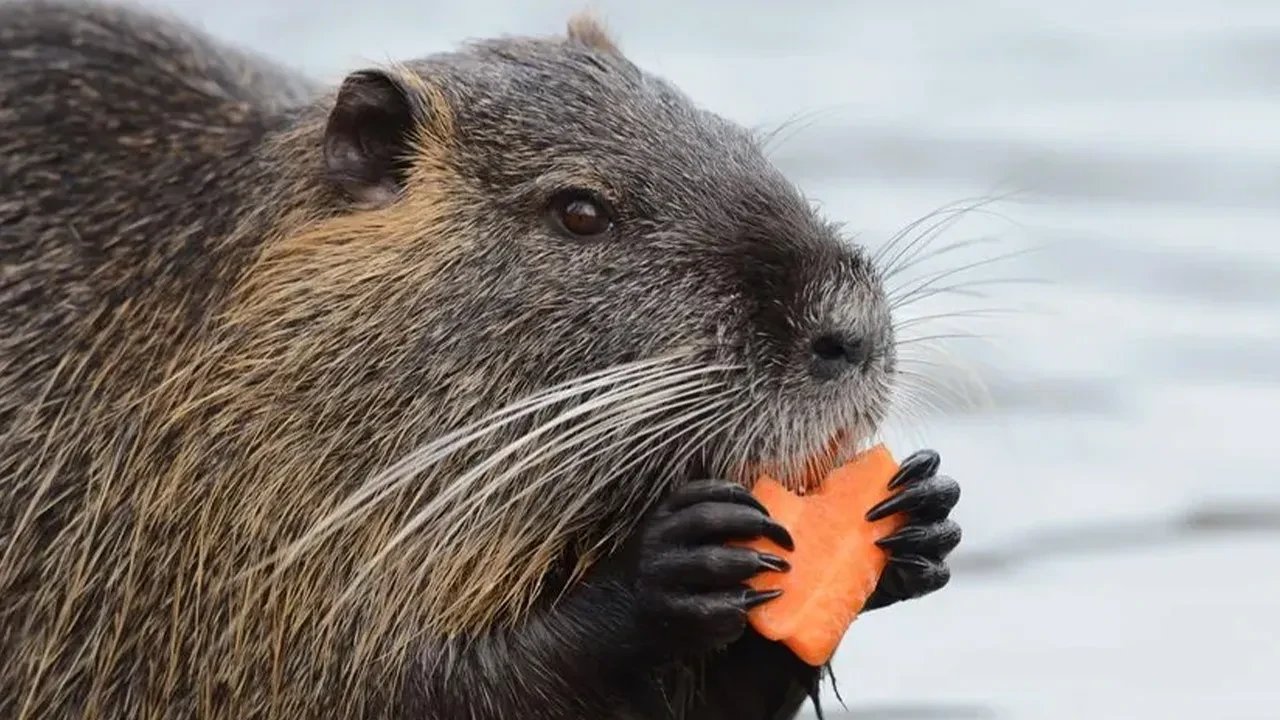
[210, 344]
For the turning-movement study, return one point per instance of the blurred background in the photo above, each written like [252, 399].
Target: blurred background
[1101, 361]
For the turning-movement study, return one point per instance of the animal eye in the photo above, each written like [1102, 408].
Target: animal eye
[581, 213]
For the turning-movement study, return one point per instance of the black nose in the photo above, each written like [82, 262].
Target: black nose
[836, 353]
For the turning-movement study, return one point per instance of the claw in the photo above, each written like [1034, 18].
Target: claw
[914, 562]
[938, 496]
[759, 597]
[918, 576]
[778, 534]
[769, 561]
[936, 540]
[920, 465]
[907, 537]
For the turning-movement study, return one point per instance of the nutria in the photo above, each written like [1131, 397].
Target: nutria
[427, 396]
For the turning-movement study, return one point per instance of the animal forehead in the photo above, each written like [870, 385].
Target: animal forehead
[530, 105]
[556, 93]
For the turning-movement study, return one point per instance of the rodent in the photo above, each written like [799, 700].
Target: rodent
[245, 321]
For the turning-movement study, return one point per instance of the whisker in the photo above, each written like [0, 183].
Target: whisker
[707, 428]
[461, 517]
[974, 313]
[704, 405]
[880, 253]
[906, 292]
[940, 336]
[912, 251]
[463, 484]
[387, 481]
[936, 230]
[656, 403]
[770, 140]
[746, 437]
[942, 218]
[920, 361]
[644, 495]
[909, 416]
[939, 252]
[701, 405]
[974, 377]
[638, 454]
[963, 289]
[454, 525]
[928, 393]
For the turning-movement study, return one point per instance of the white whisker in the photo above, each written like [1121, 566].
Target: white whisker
[639, 453]
[975, 313]
[942, 219]
[925, 257]
[464, 484]
[897, 296]
[386, 482]
[479, 498]
[963, 288]
[912, 251]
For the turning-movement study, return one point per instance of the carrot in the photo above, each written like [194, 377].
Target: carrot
[835, 565]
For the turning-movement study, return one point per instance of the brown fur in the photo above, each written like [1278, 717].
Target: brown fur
[150, 372]
[587, 28]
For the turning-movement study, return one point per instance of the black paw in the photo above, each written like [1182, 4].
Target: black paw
[690, 583]
[918, 551]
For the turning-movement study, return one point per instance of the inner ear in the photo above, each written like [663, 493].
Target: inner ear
[367, 137]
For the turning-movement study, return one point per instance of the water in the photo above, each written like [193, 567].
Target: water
[1122, 498]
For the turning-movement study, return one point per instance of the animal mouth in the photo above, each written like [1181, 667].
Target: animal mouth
[805, 473]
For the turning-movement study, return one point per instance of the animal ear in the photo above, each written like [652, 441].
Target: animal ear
[367, 140]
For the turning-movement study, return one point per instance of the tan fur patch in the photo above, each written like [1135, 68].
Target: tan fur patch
[355, 266]
[434, 105]
[587, 28]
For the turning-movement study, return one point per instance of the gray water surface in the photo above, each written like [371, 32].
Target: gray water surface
[1116, 433]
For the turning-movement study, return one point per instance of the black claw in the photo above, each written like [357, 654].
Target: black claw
[907, 537]
[759, 597]
[778, 534]
[913, 562]
[889, 506]
[920, 465]
[934, 498]
[929, 577]
[936, 540]
[915, 576]
[770, 561]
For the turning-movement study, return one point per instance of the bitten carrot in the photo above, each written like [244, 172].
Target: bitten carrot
[835, 565]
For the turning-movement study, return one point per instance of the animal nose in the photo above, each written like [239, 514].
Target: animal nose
[835, 354]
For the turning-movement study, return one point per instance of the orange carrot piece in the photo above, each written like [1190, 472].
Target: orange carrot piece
[835, 565]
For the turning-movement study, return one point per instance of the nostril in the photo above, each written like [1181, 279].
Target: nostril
[836, 353]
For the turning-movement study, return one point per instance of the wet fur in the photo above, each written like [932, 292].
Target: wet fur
[206, 344]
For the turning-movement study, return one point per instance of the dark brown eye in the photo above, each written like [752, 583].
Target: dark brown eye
[581, 213]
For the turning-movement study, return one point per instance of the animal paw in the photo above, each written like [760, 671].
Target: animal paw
[918, 551]
[690, 584]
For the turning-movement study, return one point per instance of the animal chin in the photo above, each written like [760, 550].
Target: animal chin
[805, 472]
